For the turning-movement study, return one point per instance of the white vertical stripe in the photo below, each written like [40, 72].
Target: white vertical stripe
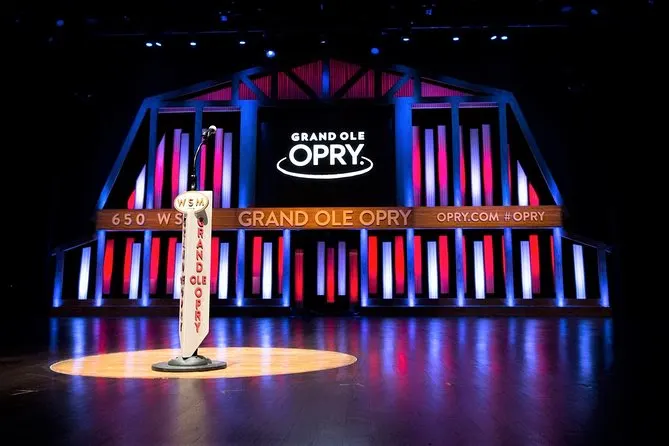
[177, 271]
[320, 268]
[140, 186]
[441, 146]
[267, 270]
[479, 272]
[134, 270]
[227, 171]
[224, 254]
[579, 271]
[429, 168]
[387, 252]
[84, 272]
[525, 269]
[475, 166]
[432, 274]
[487, 154]
[183, 163]
[341, 269]
[522, 187]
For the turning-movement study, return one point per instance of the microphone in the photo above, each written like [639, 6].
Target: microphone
[210, 131]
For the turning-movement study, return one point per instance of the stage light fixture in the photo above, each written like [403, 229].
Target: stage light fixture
[193, 43]
[594, 12]
[270, 53]
[374, 51]
[223, 18]
[323, 42]
[505, 37]
[159, 44]
[456, 39]
[60, 22]
[493, 38]
[242, 42]
[405, 39]
[148, 44]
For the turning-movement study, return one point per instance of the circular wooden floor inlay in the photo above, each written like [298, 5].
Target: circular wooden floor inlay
[242, 362]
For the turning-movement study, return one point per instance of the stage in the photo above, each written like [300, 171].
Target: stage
[463, 380]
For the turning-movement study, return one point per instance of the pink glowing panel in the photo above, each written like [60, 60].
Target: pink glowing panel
[215, 246]
[399, 264]
[320, 268]
[489, 262]
[176, 155]
[442, 165]
[487, 166]
[475, 160]
[416, 167]
[341, 268]
[443, 264]
[463, 173]
[256, 264]
[183, 162]
[227, 171]
[139, 189]
[108, 266]
[159, 177]
[429, 168]
[330, 288]
[299, 275]
[171, 253]
[154, 265]
[218, 167]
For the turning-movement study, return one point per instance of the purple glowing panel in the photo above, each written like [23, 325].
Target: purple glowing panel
[227, 171]
[432, 274]
[267, 270]
[135, 264]
[183, 163]
[487, 165]
[479, 270]
[387, 253]
[320, 268]
[84, 272]
[523, 197]
[525, 269]
[218, 167]
[139, 189]
[341, 268]
[429, 168]
[223, 271]
[442, 165]
[579, 271]
[475, 158]
[159, 178]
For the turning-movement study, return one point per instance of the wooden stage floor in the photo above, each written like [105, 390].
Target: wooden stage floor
[416, 381]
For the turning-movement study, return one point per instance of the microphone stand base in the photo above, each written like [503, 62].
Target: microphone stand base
[194, 363]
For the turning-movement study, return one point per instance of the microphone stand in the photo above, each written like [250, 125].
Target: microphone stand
[193, 167]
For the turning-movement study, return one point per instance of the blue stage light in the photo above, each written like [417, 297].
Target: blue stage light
[223, 18]
[60, 22]
[149, 44]
[505, 37]
[566, 9]
[594, 12]
[270, 53]
[193, 43]
[242, 42]
[375, 51]
[493, 38]
[456, 39]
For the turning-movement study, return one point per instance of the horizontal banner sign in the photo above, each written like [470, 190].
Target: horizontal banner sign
[340, 218]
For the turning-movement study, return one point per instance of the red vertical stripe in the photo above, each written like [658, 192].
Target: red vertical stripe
[215, 248]
[176, 154]
[464, 261]
[399, 264]
[534, 263]
[463, 173]
[418, 264]
[171, 257]
[256, 264]
[218, 167]
[280, 265]
[353, 275]
[299, 275]
[553, 256]
[131, 200]
[444, 282]
[373, 263]
[416, 167]
[108, 265]
[203, 167]
[155, 263]
[330, 288]
[442, 165]
[127, 261]
[489, 264]
[487, 173]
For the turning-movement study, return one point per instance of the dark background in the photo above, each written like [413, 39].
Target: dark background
[589, 87]
[374, 188]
